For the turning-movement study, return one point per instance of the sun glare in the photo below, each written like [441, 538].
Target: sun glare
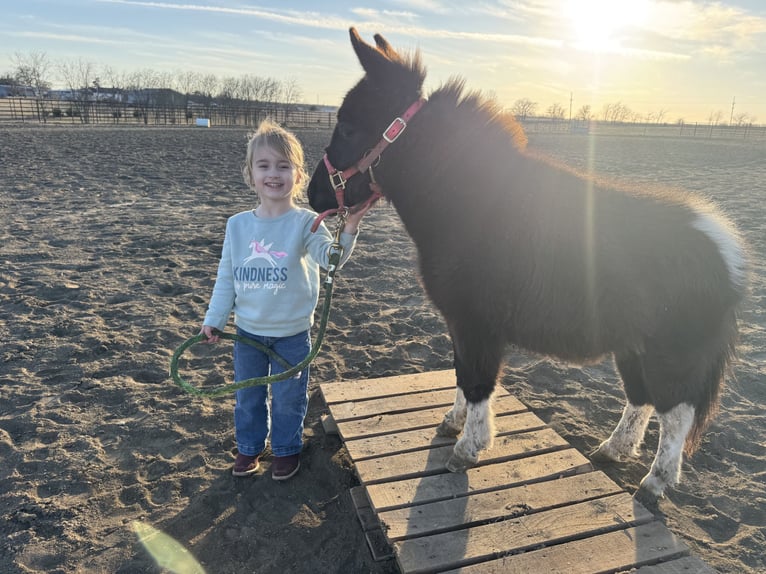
[597, 25]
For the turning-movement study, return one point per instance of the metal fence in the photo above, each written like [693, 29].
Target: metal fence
[692, 130]
[74, 112]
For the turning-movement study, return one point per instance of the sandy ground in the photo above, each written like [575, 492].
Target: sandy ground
[109, 245]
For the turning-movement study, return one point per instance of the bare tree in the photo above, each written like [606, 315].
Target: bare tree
[116, 83]
[616, 112]
[523, 107]
[291, 92]
[78, 76]
[32, 70]
[607, 112]
[657, 116]
[556, 112]
[208, 86]
[715, 117]
[255, 90]
[584, 114]
[140, 88]
[742, 119]
[290, 95]
[186, 82]
[229, 89]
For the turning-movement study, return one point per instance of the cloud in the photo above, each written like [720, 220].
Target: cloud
[395, 16]
[312, 19]
[715, 29]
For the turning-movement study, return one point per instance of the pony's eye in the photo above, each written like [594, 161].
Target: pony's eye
[345, 130]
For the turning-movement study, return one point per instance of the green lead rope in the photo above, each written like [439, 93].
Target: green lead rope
[335, 254]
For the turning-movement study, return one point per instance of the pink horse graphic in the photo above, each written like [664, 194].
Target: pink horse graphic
[261, 251]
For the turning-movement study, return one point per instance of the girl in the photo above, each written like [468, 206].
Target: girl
[269, 276]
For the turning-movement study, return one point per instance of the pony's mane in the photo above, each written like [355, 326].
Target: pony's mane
[409, 72]
[410, 61]
[474, 106]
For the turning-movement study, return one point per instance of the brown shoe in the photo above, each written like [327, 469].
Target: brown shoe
[285, 467]
[245, 465]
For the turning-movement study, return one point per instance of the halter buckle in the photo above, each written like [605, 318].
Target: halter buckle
[394, 130]
[337, 180]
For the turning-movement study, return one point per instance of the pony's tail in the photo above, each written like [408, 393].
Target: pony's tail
[719, 365]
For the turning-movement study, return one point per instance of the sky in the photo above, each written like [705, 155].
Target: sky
[682, 60]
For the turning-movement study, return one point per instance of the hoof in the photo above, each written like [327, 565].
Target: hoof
[458, 465]
[604, 454]
[447, 430]
[652, 488]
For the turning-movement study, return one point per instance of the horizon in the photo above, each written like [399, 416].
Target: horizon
[681, 60]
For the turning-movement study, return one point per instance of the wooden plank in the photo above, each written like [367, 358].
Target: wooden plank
[463, 547]
[435, 517]
[345, 391]
[378, 545]
[612, 552]
[433, 461]
[387, 423]
[328, 425]
[394, 404]
[364, 512]
[684, 565]
[424, 438]
[387, 496]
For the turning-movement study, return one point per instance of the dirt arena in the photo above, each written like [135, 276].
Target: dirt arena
[110, 242]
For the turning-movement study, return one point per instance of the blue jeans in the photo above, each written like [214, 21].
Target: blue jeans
[254, 416]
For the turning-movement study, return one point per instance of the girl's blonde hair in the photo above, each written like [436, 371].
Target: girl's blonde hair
[274, 136]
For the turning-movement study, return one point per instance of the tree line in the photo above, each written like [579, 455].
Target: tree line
[617, 113]
[85, 80]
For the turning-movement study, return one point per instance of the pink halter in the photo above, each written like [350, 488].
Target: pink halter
[338, 178]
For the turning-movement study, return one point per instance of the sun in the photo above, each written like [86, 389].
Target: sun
[597, 25]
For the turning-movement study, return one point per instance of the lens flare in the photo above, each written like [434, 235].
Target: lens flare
[166, 551]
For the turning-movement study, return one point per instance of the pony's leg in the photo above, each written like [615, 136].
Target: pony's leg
[453, 421]
[478, 435]
[627, 435]
[477, 363]
[629, 432]
[675, 425]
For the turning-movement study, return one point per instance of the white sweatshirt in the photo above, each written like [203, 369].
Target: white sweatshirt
[269, 272]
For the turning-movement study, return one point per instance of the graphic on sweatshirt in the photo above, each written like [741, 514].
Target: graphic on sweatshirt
[258, 250]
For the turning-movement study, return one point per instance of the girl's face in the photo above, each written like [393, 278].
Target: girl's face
[274, 177]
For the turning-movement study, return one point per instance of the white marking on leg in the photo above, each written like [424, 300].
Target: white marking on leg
[627, 435]
[666, 468]
[478, 433]
[454, 419]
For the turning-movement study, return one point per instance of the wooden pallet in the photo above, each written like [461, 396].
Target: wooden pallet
[533, 504]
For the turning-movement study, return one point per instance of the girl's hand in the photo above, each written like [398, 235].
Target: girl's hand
[209, 332]
[353, 219]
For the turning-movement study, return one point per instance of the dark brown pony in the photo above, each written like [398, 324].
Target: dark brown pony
[515, 249]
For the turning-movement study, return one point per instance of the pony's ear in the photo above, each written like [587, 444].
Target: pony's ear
[371, 58]
[385, 47]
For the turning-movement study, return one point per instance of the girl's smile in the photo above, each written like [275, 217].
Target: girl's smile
[274, 178]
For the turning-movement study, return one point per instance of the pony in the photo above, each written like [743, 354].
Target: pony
[516, 249]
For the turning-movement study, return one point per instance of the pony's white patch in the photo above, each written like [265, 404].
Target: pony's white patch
[666, 468]
[628, 433]
[478, 433]
[454, 419]
[728, 244]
